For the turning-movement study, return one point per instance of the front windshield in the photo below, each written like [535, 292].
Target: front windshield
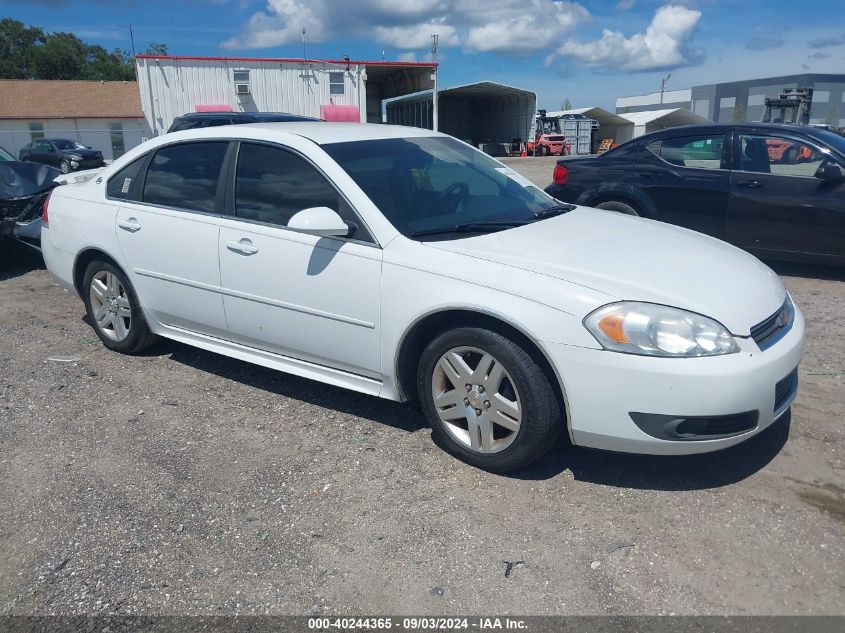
[429, 184]
[834, 140]
[63, 145]
[4, 155]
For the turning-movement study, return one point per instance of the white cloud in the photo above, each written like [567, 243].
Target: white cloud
[408, 57]
[663, 45]
[509, 26]
[416, 35]
[531, 26]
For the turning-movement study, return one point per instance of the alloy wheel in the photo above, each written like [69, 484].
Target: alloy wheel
[476, 399]
[110, 306]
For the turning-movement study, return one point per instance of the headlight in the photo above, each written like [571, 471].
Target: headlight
[655, 330]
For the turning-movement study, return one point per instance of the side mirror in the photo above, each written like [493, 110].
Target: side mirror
[320, 221]
[830, 172]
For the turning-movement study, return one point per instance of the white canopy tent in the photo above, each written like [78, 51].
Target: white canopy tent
[653, 120]
[610, 125]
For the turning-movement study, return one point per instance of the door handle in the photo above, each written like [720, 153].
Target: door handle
[750, 184]
[244, 247]
[130, 225]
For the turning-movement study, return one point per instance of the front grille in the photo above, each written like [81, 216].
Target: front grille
[771, 330]
[785, 389]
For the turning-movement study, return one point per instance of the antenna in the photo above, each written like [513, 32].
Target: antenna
[304, 57]
[435, 38]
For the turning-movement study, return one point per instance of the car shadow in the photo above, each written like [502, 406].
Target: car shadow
[808, 271]
[17, 259]
[622, 470]
[658, 472]
[404, 416]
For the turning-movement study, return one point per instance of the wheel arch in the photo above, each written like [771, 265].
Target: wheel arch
[83, 259]
[623, 193]
[427, 326]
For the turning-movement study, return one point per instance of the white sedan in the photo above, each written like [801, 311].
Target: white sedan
[405, 264]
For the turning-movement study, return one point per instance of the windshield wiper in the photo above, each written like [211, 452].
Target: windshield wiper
[558, 209]
[470, 227]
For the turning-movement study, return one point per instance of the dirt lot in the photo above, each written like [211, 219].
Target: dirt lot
[184, 482]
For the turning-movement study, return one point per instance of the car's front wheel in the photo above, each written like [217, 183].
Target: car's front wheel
[488, 401]
[64, 167]
[113, 309]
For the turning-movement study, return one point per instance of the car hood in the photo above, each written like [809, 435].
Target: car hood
[635, 259]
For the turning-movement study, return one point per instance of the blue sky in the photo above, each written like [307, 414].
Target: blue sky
[590, 51]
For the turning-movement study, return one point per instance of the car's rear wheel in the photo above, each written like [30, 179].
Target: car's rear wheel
[619, 207]
[488, 401]
[113, 309]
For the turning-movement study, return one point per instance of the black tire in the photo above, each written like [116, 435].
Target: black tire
[619, 207]
[544, 150]
[542, 421]
[64, 167]
[139, 336]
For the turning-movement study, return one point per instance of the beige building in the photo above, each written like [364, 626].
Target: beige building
[105, 115]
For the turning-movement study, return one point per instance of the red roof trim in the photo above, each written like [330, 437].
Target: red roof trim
[39, 117]
[339, 62]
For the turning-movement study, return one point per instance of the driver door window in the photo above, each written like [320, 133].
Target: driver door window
[777, 155]
[273, 184]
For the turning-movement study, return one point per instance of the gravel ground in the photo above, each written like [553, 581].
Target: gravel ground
[181, 482]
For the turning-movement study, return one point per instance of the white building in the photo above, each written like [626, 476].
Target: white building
[171, 86]
[105, 115]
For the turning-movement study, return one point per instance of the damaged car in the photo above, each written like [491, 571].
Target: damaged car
[23, 189]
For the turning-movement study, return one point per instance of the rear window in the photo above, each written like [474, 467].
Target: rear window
[125, 184]
[185, 176]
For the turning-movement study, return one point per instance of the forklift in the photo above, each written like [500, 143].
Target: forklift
[793, 104]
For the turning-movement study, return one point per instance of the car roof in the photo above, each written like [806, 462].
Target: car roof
[722, 127]
[254, 115]
[320, 132]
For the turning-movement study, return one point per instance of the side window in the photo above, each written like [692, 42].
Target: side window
[700, 152]
[336, 83]
[777, 155]
[273, 184]
[125, 184]
[185, 176]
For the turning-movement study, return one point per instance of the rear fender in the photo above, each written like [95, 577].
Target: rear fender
[621, 191]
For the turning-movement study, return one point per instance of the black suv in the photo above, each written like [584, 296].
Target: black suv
[65, 154]
[212, 119]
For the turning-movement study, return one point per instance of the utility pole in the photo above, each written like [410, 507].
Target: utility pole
[663, 83]
[435, 119]
[303, 45]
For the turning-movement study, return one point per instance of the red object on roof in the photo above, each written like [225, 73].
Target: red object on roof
[210, 107]
[340, 113]
[340, 62]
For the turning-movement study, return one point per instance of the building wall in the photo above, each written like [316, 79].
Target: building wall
[744, 100]
[96, 133]
[645, 103]
[173, 87]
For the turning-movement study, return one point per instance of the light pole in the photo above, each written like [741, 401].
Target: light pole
[663, 83]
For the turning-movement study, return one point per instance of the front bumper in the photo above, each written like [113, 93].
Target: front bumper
[604, 388]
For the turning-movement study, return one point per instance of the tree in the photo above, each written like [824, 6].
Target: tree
[740, 114]
[27, 52]
[566, 105]
[61, 56]
[16, 43]
[156, 48]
